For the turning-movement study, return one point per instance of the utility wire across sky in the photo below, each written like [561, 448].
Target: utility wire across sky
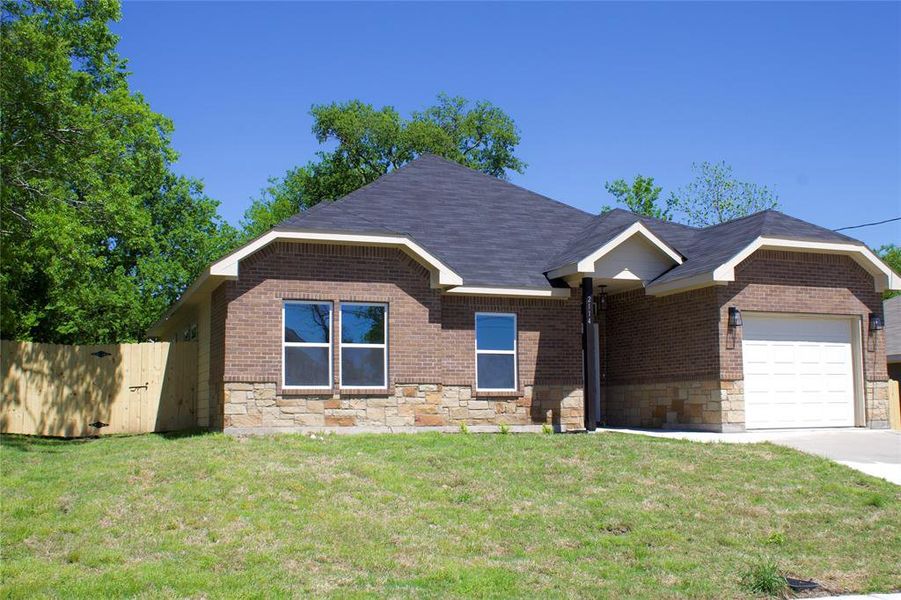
[868, 224]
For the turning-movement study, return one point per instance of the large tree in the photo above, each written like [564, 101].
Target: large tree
[370, 142]
[891, 254]
[641, 196]
[715, 196]
[98, 234]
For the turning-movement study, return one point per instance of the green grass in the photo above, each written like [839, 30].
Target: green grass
[434, 515]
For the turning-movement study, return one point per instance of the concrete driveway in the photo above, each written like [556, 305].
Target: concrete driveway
[875, 452]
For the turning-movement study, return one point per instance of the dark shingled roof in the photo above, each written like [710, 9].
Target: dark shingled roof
[712, 246]
[494, 233]
[487, 230]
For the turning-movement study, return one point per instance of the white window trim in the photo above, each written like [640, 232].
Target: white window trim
[342, 345]
[285, 345]
[513, 351]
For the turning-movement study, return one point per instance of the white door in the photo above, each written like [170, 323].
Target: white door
[799, 372]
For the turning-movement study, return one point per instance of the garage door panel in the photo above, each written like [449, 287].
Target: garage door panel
[798, 372]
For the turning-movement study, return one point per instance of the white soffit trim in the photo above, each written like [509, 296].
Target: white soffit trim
[441, 273]
[586, 265]
[474, 290]
[883, 276]
[682, 285]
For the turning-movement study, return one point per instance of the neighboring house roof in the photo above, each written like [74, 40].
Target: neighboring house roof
[481, 235]
[892, 311]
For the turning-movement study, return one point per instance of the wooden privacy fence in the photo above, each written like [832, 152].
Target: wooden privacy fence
[54, 390]
[894, 405]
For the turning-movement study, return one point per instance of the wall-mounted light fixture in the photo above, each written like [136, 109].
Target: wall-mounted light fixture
[734, 317]
[601, 304]
[876, 322]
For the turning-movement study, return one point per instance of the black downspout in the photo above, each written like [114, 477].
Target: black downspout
[590, 358]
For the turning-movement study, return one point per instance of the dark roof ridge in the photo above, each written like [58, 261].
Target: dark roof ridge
[766, 218]
[501, 181]
[375, 182]
[304, 211]
[773, 211]
[760, 214]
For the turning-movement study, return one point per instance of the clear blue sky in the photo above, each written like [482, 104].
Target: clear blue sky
[803, 97]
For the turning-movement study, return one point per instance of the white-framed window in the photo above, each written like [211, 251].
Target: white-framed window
[307, 345]
[495, 352]
[364, 345]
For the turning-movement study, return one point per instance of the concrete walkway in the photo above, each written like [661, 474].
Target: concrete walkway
[867, 597]
[875, 452]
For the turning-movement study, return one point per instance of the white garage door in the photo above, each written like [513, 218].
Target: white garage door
[798, 372]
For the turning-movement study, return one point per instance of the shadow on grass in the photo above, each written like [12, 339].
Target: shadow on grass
[35, 443]
[50, 445]
[183, 433]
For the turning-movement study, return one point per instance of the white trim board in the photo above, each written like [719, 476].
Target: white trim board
[476, 290]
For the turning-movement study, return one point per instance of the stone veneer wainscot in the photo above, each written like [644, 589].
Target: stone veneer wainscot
[258, 408]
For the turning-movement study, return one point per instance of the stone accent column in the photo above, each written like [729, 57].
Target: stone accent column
[876, 405]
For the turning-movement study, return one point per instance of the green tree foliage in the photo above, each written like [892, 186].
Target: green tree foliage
[641, 196]
[891, 254]
[716, 196]
[98, 235]
[370, 142]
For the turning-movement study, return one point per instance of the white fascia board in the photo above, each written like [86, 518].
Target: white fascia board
[883, 276]
[586, 264]
[474, 290]
[564, 271]
[441, 274]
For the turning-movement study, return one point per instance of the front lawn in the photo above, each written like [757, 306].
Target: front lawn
[607, 515]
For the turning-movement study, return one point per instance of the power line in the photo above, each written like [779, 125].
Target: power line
[868, 224]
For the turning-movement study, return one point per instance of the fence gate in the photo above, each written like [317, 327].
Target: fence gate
[56, 390]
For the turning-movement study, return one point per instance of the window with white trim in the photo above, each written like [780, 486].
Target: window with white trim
[496, 352]
[307, 345]
[364, 345]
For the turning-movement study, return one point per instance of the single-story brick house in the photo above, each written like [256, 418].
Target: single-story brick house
[438, 296]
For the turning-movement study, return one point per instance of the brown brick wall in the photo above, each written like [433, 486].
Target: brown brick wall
[798, 282]
[288, 271]
[670, 338]
[431, 336]
[653, 347]
[549, 339]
